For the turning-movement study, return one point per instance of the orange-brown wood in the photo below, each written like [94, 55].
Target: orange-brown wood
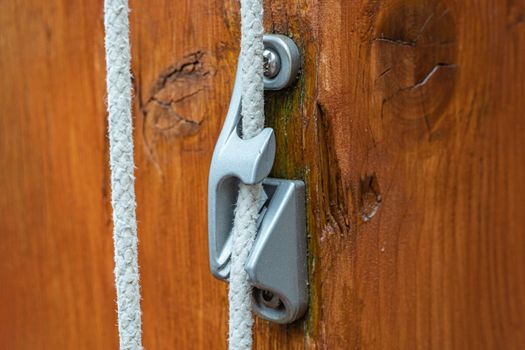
[421, 243]
[56, 280]
[406, 124]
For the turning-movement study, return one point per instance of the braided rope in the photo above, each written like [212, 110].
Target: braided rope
[246, 212]
[118, 80]
[116, 24]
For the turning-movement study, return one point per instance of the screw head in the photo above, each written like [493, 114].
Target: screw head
[272, 63]
[270, 300]
[282, 59]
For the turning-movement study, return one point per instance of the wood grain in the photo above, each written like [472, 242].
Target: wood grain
[56, 280]
[420, 242]
[406, 124]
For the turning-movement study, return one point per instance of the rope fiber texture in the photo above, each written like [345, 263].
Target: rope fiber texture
[244, 230]
[118, 81]
[246, 212]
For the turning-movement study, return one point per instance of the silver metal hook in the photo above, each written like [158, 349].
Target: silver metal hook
[277, 265]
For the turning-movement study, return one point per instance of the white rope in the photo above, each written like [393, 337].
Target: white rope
[246, 212]
[118, 80]
[116, 24]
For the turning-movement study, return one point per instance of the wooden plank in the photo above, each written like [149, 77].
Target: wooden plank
[183, 91]
[418, 237]
[184, 73]
[56, 289]
[405, 123]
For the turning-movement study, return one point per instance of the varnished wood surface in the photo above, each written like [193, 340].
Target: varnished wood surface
[55, 225]
[406, 124]
[421, 243]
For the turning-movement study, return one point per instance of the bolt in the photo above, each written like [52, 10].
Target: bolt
[272, 63]
[270, 300]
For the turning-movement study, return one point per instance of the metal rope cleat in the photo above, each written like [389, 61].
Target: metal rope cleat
[277, 265]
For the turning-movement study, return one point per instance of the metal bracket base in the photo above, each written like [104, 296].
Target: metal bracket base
[277, 265]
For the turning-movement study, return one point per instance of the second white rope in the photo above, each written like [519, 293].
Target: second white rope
[246, 212]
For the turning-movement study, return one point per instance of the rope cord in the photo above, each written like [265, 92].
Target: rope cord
[118, 81]
[246, 212]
